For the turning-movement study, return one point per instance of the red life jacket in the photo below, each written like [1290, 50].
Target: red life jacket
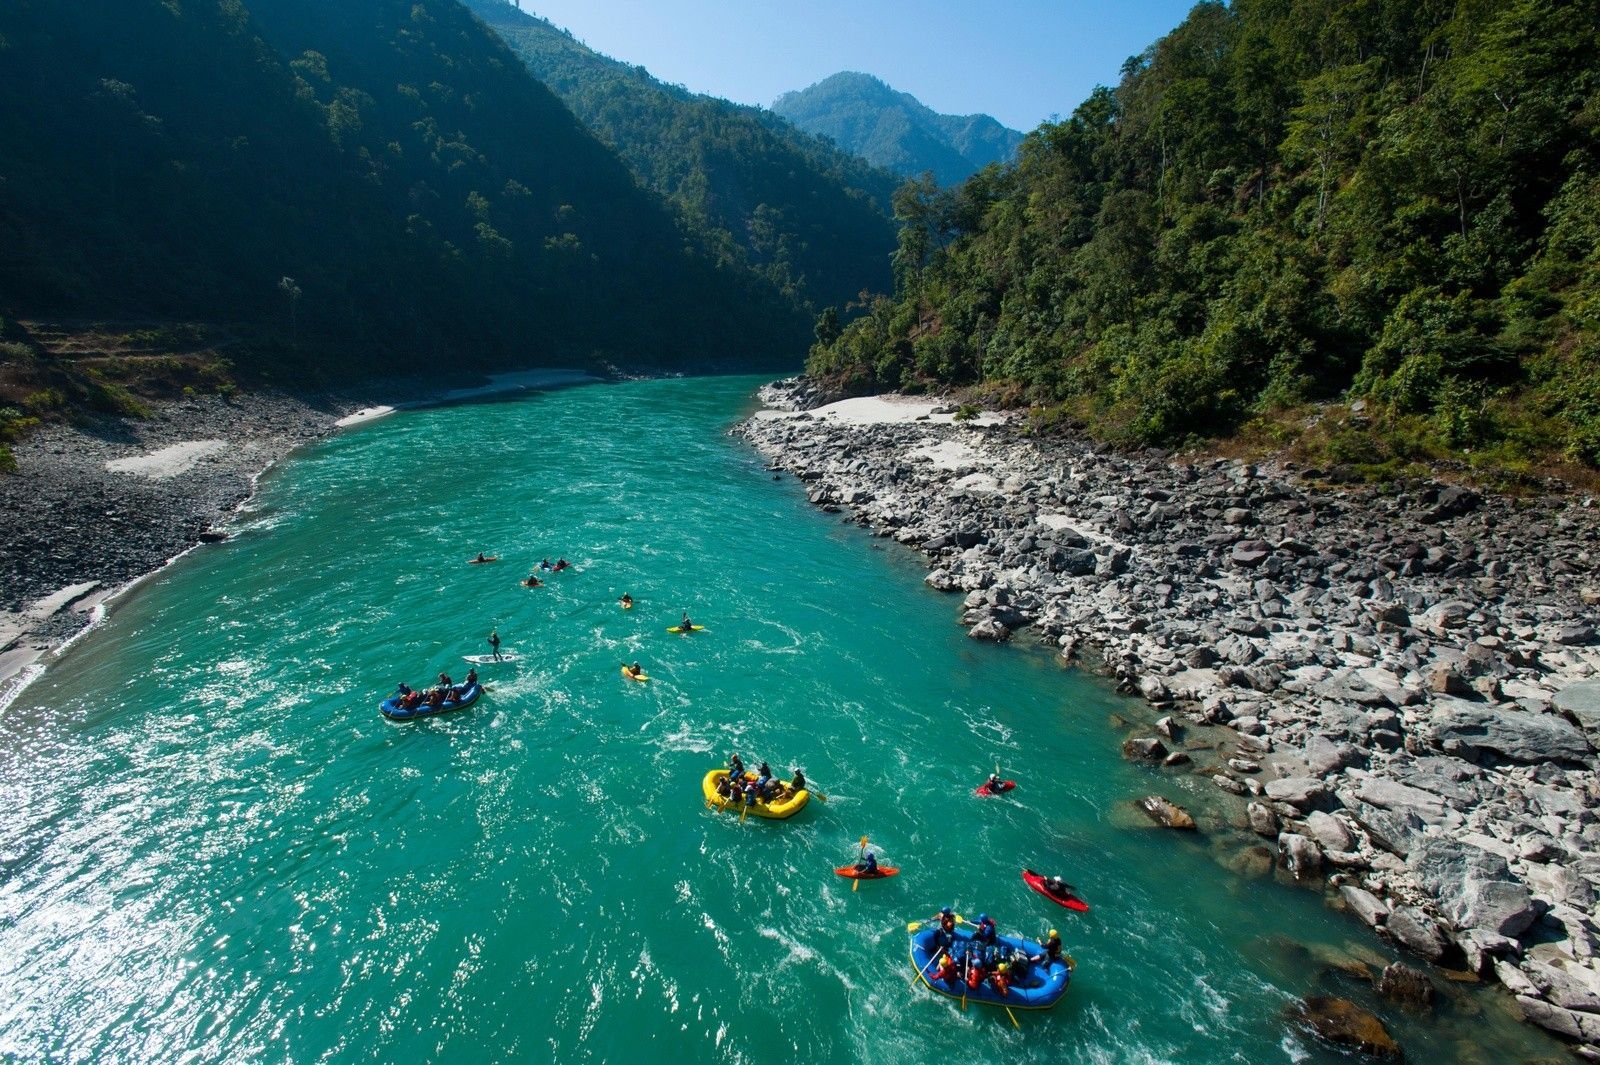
[975, 976]
[1001, 983]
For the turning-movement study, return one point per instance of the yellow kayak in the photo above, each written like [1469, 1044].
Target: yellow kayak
[787, 806]
[640, 677]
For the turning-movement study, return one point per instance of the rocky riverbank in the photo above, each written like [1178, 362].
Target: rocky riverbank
[95, 506]
[1409, 677]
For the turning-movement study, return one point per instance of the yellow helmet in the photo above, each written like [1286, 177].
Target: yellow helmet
[1054, 934]
[1004, 967]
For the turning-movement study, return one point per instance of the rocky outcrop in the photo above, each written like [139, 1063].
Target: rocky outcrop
[1343, 1024]
[1166, 814]
[1412, 675]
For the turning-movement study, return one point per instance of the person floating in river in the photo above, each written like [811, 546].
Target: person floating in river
[533, 581]
[626, 600]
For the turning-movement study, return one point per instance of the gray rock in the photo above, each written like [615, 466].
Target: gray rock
[1473, 731]
[1303, 793]
[1324, 757]
[1417, 932]
[1372, 910]
[1144, 749]
[1300, 855]
[1574, 635]
[1561, 988]
[1581, 702]
[1229, 784]
[1475, 889]
[1250, 553]
[1329, 832]
[1176, 758]
[1553, 1018]
[1263, 821]
[1396, 831]
[990, 628]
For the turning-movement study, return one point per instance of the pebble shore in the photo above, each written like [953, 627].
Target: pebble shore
[1411, 678]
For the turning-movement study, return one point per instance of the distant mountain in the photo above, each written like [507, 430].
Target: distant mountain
[432, 203]
[809, 218]
[897, 131]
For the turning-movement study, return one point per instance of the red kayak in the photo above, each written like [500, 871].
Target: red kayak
[1069, 900]
[1004, 786]
[852, 873]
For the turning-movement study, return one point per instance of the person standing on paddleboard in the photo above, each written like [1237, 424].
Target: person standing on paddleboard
[494, 643]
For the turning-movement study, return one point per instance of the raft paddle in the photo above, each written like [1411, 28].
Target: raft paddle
[1013, 1016]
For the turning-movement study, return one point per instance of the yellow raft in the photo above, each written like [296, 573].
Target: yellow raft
[776, 811]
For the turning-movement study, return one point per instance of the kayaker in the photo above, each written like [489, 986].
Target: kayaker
[533, 582]
[561, 564]
[546, 563]
[986, 933]
[626, 600]
[686, 624]
[481, 557]
[1058, 887]
[494, 643]
[868, 865]
[993, 783]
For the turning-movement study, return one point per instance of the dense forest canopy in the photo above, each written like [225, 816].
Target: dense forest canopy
[371, 185]
[1283, 201]
[897, 131]
[810, 219]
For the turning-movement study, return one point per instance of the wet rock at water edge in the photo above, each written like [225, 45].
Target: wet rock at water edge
[1300, 855]
[1144, 749]
[1263, 820]
[1167, 814]
[1342, 1023]
[1408, 986]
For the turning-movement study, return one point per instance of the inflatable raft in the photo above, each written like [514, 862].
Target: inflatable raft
[775, 811]
[391, 708]
[1039, 987]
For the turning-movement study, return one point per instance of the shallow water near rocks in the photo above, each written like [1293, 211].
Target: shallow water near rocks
[216, 848]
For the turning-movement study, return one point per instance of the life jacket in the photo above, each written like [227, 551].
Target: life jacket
[1001, 983]
[1052, 949]
[974, 975]
[947, 970]
[947, 922]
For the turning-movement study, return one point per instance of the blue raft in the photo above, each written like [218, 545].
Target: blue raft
[1040, 986]
[391, 708]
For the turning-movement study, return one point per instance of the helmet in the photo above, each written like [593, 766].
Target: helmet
[944, 911]
[1054, 934]
[871, 855]
[1004, 967]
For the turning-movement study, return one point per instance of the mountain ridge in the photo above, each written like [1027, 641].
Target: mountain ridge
[865, 115]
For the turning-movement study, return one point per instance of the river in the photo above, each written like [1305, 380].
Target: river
[216, 849]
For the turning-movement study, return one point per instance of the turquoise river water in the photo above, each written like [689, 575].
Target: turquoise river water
[215, 849]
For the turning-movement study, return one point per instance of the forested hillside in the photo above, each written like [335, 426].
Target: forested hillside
[809, 218]
[1280, 203]
[360, 187]
[897, 131]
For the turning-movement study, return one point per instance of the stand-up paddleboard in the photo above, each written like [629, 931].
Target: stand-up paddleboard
[680, 629]
[640, 677]
[1067, 899]
[490, 660]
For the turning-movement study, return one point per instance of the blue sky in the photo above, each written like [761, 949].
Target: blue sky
[1019, 60]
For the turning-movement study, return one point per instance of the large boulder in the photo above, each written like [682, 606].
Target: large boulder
[1410, 987]
[1325, 757]
[1364, 904]
[1344, 1024]
[1329, 832]
[1263, 820]
[1167, 814]
[1303, 793]
[1144, 749]
[1300, 855]
[1474, 888]
[1473, 731]
[1581, 702]
[1417, 932]
[1396, 831]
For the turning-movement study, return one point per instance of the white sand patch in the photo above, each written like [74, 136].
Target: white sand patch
[884, 410]
[950, 455]
[976, 482]
[169, 461]
[365, 414]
